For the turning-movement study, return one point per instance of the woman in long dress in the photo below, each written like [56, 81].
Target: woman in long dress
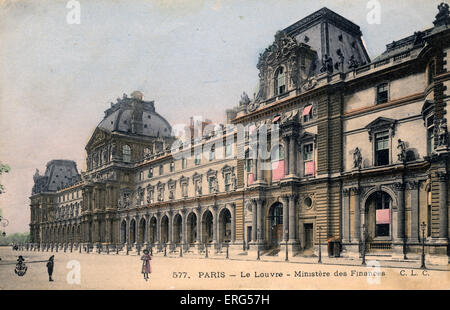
[146, 268]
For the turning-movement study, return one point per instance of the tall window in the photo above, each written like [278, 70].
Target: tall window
[172, 166]
[382, 148]
[308, 159]
[161, 170]
[382, 93]
[212, 153]
[228, 150]
[278, 163]
[383, 214]
[307, 113]
[126, 153]
[227, 181]
[211, 184]
[197, 159]
[183, 163]
[280, 81]
[150, 173]
[431, 70]
[430, 134]
[184, 189]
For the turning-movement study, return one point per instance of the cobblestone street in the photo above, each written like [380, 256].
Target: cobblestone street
[102, 271]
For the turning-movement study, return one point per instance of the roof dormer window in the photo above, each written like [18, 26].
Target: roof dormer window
[280, 81]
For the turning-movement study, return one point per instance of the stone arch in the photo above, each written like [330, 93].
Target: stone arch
[141, 237]
[132, 233]
[123, 231]
[191, 227]
[164, 228]
[153, 230]
[224, 221]
[274, 223]
[382, 188]
[378, 209]
[207, 232]
[177, 226]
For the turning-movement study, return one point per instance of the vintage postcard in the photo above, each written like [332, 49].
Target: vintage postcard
[224, 144]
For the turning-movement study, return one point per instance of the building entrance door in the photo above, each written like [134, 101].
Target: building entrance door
[308, 236]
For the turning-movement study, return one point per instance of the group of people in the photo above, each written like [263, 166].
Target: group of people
[21, 267]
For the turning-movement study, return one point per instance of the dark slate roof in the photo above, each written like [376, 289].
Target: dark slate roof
[58, 174]
[119, 117]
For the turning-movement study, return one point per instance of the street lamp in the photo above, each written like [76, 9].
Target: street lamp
[423, 226]
[286, 238]
[320, 246]
[363, 250]
[3, 222]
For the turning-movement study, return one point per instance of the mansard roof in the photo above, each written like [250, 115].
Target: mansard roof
[132, 115]
[324, 14]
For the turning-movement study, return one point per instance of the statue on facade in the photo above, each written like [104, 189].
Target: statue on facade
[443, 16]
[353, 63]
[402, 150]
[443, 10]
[245, 100]
[357, 158]
[327, 64]
[443, 133]
[340, 64]
[234, 180]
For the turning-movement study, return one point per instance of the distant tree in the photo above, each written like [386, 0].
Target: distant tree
[3, 169]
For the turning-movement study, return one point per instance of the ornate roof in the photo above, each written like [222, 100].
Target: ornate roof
[133, 115]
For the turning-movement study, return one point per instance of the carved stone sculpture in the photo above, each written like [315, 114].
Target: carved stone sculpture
[357, 158]
[402, 150]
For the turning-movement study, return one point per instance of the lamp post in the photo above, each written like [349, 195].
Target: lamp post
[3, 222]
[320, 245]
[363, 250]
[423, 226]
[287, 250]
[257, 244]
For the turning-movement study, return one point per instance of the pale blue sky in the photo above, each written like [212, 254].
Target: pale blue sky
[191, 57]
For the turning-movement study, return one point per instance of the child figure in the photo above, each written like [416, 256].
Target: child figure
[50, 265]
[146, 268]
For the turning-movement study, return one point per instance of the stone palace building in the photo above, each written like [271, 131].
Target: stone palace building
[362, 154]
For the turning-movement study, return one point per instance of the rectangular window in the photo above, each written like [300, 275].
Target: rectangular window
[248, 165]
[227, 182]
[141, 175]
[308, 151]
[210, 184]
[431, 69]
[161, 170]
[308, 160]
[197, 159]
[307, 113]
[183, 163]
[172, 167]
[382, 148]
[150, 173]
[212, 154]
[382, 93]
[430, 134]
[382, 217]
[228, 150]
[184, 191]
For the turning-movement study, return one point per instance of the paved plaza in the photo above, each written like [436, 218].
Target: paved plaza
[103, 271]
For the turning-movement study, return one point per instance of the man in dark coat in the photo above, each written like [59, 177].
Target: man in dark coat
[50, 265]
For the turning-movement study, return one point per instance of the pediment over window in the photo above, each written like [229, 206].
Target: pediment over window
[98, 137]
[381, 123]
[211, 173]
[196, 176]
[427, 109]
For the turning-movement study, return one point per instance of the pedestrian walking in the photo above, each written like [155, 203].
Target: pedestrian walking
[146, 268]
[50, 265]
